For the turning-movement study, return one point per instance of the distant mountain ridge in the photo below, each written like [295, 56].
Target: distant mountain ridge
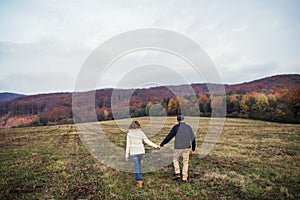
[7, 96]
[275, 83]
[268, 84]
[57, 107]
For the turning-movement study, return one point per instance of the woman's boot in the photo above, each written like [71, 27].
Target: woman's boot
[140, 184]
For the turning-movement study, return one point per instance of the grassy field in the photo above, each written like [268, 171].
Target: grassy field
[252, 160]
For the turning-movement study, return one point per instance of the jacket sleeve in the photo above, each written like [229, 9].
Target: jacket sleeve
[127, 147]
[169, 136]
[146, 140]
[194, 144]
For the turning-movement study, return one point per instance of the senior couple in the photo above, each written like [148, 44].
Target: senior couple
[184, 139]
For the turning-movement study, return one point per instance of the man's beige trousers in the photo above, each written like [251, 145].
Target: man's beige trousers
[185, 153]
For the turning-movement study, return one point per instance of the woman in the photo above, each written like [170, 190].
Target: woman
[135, 148]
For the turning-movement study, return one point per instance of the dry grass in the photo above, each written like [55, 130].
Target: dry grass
[252, 160]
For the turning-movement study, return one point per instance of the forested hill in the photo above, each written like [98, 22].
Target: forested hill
[275, 98]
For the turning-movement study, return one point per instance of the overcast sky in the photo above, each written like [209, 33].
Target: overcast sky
[43, 44]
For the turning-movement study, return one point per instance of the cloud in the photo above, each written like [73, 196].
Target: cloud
[41, 56]
[45, 46]
[246, 39]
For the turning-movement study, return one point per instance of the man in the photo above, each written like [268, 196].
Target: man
[184, 136]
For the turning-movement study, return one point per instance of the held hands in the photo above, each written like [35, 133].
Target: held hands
[193, 152]
[127, 159]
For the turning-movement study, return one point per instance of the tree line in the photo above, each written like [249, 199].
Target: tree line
[279, 106]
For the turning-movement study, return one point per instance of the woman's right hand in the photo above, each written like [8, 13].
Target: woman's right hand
[127, 159]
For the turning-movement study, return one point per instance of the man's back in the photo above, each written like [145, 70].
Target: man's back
[184, 136]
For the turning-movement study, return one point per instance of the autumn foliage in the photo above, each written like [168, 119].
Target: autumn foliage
[271, 99]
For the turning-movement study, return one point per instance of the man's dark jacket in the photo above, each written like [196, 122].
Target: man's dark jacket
[184, 136]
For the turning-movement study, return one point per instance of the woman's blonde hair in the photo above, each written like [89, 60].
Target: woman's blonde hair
[134, 125]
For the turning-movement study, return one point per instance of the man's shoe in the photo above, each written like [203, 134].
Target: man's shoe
[176, 176]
